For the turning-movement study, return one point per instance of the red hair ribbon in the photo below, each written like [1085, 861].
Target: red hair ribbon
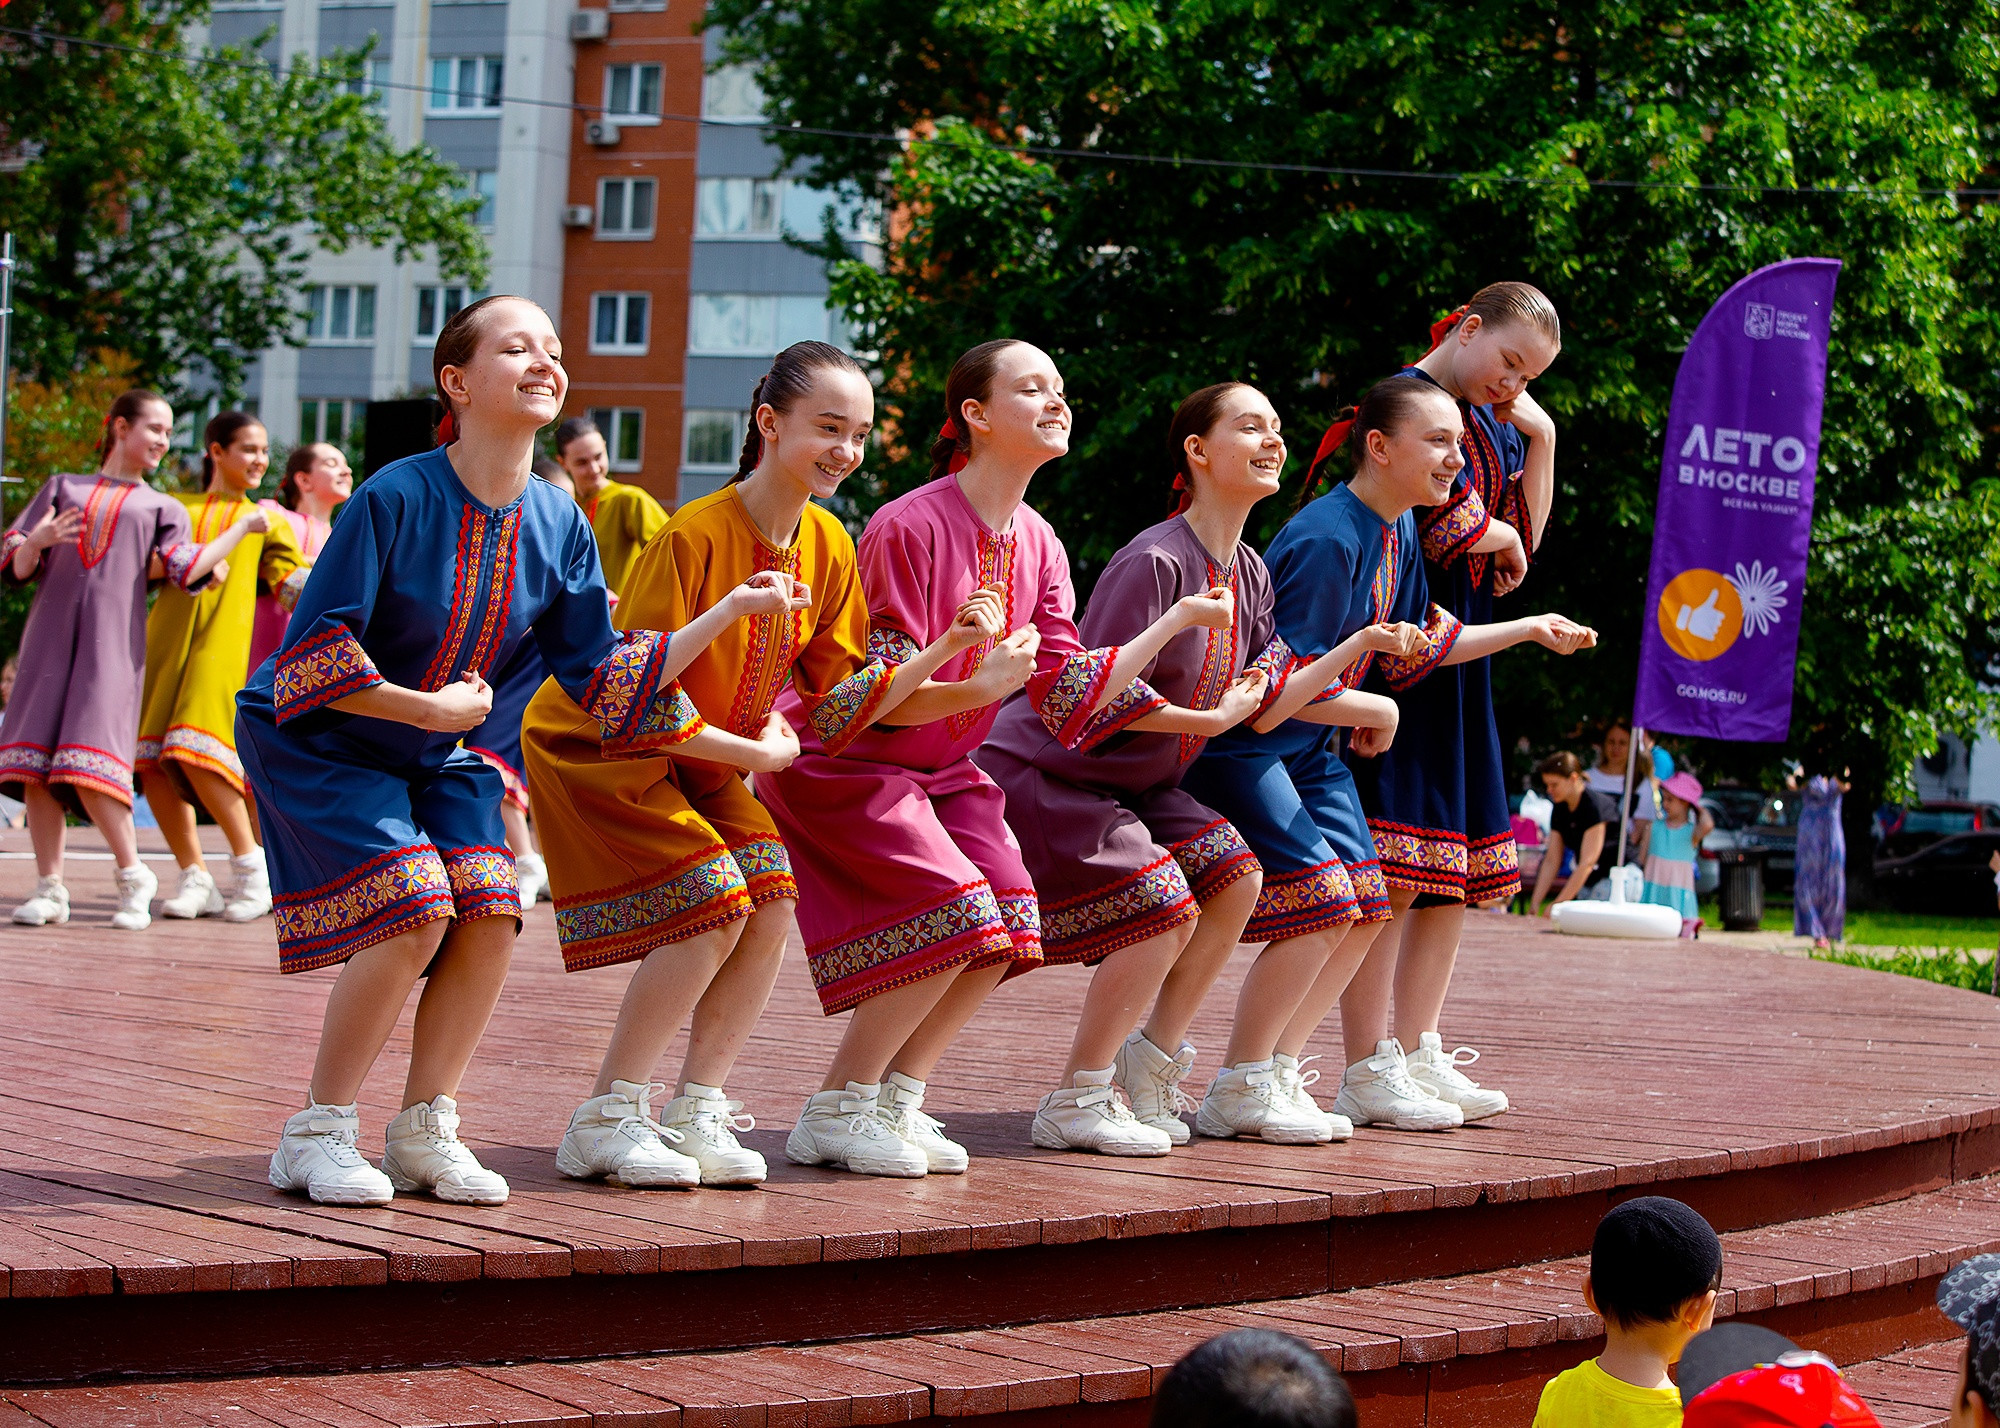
[1187, 495]
[950, 432]
[1441, 329]
[447, 429]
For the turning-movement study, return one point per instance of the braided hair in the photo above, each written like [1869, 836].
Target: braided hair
[790, 378]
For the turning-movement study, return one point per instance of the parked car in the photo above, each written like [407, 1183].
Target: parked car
[1776, 834]
[1906, 829]
[1732, 809]
[1948, 876]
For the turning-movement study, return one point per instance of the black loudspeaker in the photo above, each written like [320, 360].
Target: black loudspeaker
[398, 429]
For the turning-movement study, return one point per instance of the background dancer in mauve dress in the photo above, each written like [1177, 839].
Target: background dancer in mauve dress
[95, 543]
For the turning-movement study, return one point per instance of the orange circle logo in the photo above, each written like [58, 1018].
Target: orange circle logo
[1700, 614]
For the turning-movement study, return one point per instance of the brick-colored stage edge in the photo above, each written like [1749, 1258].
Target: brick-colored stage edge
[1841, 1126]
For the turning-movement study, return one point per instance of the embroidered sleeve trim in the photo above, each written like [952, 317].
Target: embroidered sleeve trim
[890, 645]
[1512, 507]
[315, 672]
[1441, 632]
[670, 720]
[1065, 695]
[1134, 702]
[179, 561]
[626, 698]
[290, 588]
[849, 707]
[1450, 531]
[12, 542]
[1279, 663]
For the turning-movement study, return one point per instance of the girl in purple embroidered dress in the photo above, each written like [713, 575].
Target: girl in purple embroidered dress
[95, 543]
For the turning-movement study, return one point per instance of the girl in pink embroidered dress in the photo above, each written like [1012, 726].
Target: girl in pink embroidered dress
[317, 480]
[913, 902]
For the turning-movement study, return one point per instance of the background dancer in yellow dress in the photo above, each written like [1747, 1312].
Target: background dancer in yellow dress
[622, 517]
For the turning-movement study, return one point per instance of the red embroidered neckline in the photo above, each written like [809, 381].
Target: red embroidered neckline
[100, 522]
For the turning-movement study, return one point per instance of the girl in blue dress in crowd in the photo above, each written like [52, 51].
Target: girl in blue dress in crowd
[1348, 560]
[384, 836]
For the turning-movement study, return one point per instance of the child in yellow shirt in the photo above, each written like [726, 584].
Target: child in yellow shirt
[1655, 1267]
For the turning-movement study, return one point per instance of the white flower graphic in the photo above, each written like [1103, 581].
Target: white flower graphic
[1762, 594]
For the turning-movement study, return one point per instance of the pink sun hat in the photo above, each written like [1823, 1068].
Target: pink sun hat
[1683, 785]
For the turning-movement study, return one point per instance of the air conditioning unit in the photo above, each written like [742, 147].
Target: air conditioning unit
[577, 215]
[590, 25]
[600, 133]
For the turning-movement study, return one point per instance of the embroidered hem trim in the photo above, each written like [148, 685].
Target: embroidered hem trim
[1493, 868]
[185, 744]
[510, 777]
[315, 672]
[1371, 891]
[696, 895]
[1214, 858]
[390, 894]
[1090, 927]
[849, 707]
[1309, 900]
[484, 883]
[1441, 632]
[1427, 860]
[965, 927]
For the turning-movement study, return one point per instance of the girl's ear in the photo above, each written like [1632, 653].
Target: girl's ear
[1195, 455]
[767, 422]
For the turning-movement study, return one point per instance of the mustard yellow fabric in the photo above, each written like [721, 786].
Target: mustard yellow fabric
[1588, 1397]
[623, 518]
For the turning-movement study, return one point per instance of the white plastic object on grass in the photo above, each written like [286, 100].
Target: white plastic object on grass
[1618, 917]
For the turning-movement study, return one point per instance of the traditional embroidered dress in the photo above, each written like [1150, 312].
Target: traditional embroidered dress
[906, 864]
[1120, 852]
[74, 718]
[1336, 567]
[1437, 800]
[198, 646]
[267, 631]
[624, 518]
[648, 847]
[374, 827]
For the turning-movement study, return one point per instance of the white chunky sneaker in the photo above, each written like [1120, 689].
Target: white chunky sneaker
[847, 1130]
[47, 905]
[1152, 1082]
[425, 1153]
[1379, 1092]
[252, 897]
[195, 897]
[902, 1103]
[1432, 1068]
[532, 874]
[708, 1122]
[1250, 1101]
[616, 1138]
[1089, 1114]
[317, 1155]
[1298, 1083]
[136, 886]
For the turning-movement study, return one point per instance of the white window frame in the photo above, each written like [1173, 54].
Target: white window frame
[484, 185]
[771, 322]
[627, 187]
[621, 343]
[334, 314]
[635, 73]
[616, 423]
[762, 198]
[353, 416]
[374, 78]
[443, 296]
[738, 424]
[489, 90]
[638, 4]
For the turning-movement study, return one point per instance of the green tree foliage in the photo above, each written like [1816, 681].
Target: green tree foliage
[1631, 158]
[165, 207]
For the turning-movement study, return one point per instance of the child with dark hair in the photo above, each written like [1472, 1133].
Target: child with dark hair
[1655, 1267]
[1253, 1378]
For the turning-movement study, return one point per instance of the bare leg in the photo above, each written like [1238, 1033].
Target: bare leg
[736, 996]
[48, 829]
[175, 816]
[935, 1034]
[226, 806]
[1206, 954]
[1282, 980]
[458, 1000]
[113, 818]
[515, 818]
[882, 1026]
[1364, 1006]
[1423, 970]
[363, 1008]
[658, 1001]
[1122, 987]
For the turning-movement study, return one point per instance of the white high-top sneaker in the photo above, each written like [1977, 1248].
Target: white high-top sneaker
[196, 895]
[902, 1103]
[47, 905]
[1249, 1100]
[1379, 1092]
[847, 1130]
[1298, 1082]
[136, 886]
[708, 1122]
[252, 897]
[317, 1155]
[425, 1153]
[1089, 1114]
[1437, 1072]
[1152, 1081]
[615, 1137]
[531, 873]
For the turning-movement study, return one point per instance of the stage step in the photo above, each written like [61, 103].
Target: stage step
[1464, 1350]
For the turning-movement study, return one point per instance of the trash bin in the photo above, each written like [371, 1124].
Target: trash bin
[1742, 891]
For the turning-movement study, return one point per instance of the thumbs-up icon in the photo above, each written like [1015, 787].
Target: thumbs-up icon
[1701, 621]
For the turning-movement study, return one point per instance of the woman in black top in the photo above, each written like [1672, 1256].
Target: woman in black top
[1582, 820]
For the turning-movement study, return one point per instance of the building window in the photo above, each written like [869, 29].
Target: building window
[632, 92]
[618, 323]
[638, 4]
[624, 431]
[738, 207]
[370, 83]
[756, 324]
[436, 302]
[625, 207]
[340, 314]
[732, 93]
[713, 440]
[484, 185]
[338, 420]
[464, 83]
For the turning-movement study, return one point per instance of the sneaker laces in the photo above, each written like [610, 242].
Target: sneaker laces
[718, 1123]
[1108, 1104]
[336, 1135]
[1304, 1077]
[872, 1122]
[440, 1131]
[639, 1115]
[1445, 1068]
[1392, 1073]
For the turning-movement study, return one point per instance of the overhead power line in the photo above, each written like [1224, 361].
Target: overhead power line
[1110, 156]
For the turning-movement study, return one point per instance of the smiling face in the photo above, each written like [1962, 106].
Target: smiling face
[514, 377]
[1242, 454]
[329, 480]
[241, 465]
[140, 443]
[1416, 463]
[821, 440]
[1025, 416]
[1493, 362]
[587, 460]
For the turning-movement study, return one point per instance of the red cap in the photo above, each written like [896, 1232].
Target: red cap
[1805, 1393]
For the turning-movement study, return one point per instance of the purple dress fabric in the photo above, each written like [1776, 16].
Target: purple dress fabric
[74, 720]
[1118, 850]
[1819, 897]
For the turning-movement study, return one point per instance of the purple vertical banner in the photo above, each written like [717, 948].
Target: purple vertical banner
[1734, 520]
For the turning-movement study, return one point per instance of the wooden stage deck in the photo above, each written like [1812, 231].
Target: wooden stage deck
[1839, 1123]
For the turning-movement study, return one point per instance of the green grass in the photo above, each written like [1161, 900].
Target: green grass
[1952, 966]
[1885, 929]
